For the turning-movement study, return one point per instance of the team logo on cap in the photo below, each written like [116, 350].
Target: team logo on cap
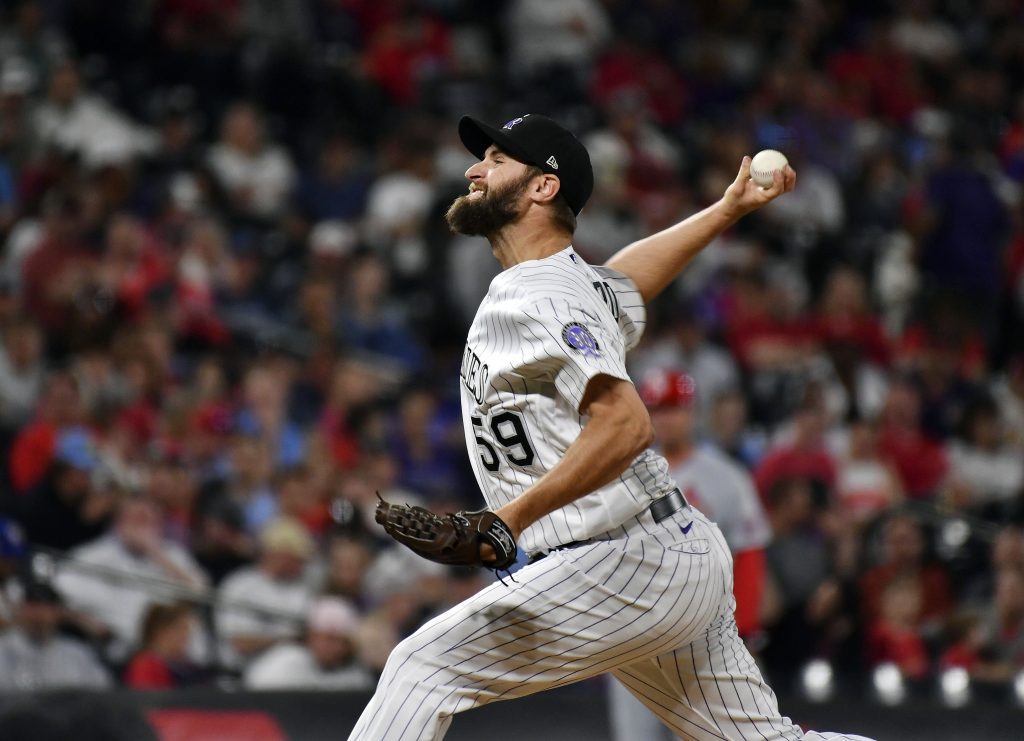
[581, 340]
[514, 121]
[552, 162]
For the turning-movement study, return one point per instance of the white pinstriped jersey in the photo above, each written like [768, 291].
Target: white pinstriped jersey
[724, 491]
[545, 328]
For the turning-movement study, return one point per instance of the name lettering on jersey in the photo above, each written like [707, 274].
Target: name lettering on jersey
[474, 374]
[609, 296]
[580, 339]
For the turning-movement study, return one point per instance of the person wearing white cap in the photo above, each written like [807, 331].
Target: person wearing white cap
[325, 661]
[264, 604]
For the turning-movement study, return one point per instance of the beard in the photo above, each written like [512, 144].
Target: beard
[490, 213]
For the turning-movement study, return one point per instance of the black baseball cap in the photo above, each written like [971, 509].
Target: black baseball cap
[539, 141]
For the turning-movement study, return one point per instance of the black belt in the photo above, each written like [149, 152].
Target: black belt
[660, 509]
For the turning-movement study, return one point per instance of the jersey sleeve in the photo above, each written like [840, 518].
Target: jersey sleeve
[632, 312]
[747, 527]
[572, 344]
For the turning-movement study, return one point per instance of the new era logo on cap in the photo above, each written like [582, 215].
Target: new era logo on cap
[552, 162]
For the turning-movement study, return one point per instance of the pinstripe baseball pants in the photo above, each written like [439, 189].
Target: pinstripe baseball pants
[652, 605]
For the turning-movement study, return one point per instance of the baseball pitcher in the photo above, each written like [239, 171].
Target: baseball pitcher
[624, 576]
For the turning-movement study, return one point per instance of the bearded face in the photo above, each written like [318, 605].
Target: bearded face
[489, 212]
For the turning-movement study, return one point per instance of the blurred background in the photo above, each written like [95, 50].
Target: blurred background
[231, 312]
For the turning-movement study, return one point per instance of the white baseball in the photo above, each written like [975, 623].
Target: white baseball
[764, 165]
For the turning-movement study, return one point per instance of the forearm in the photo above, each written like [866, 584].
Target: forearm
[655, 261]
[603, 450]
[748, 587]
[175, 572]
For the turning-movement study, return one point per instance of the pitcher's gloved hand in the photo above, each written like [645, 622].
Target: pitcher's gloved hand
[454, 539]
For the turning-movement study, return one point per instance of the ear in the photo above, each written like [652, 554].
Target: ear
[545, 188]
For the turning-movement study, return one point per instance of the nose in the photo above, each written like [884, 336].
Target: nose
[476, 171]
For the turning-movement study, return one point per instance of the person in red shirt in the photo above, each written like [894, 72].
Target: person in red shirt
[33, 448]
[299, 496]
[920, 462]
[403, 53]
[843, 318]
[895, 637]
[904, 561]
[628, 65]
[163, 662]
[804, 457]
[56, 272]
[132, 265]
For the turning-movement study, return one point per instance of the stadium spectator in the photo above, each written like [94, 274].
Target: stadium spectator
[895, 637]
[22, 370]
[326, 660]
[34, 656]
[961, 247]
[12, 550]
[770, 338]
[205, 270]
[406, 53]
[58, 267]
[854, 340]
[867, 486]
[713, 369]
[110, 582]
[805, 456]
[65, 510]
[731, 431]
[1007, 552]
[398, 203]
[73, 121]
[171, 488]
[804, 606]
[567, 35]
[163, 660]
[264, 417]
[920, 462]
[247, 482]
[371, 323]
[265, 604]
[336, 187]
[424, 453]
[220, 542]
[903, 558]
[986, 476]
[353, 387]
[994, 650]
[257, 176]
[348, 558]
[29, 38]
[1008, 391]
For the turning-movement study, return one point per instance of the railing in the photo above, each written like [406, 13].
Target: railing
[570, 714]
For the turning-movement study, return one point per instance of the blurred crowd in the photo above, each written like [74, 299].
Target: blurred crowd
[231, 314]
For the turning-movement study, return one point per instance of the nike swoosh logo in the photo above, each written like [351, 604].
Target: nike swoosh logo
[686, 530]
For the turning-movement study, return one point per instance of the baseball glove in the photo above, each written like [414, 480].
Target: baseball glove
[454, 539]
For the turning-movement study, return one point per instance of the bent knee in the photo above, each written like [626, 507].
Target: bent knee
[414, 656]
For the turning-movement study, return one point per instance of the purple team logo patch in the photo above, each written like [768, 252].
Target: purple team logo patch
[514, 121]
[580, 339]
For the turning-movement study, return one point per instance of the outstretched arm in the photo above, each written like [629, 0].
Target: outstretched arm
[655, 261]
[618, 431]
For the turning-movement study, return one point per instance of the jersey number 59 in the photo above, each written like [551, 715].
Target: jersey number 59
[509, 432]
